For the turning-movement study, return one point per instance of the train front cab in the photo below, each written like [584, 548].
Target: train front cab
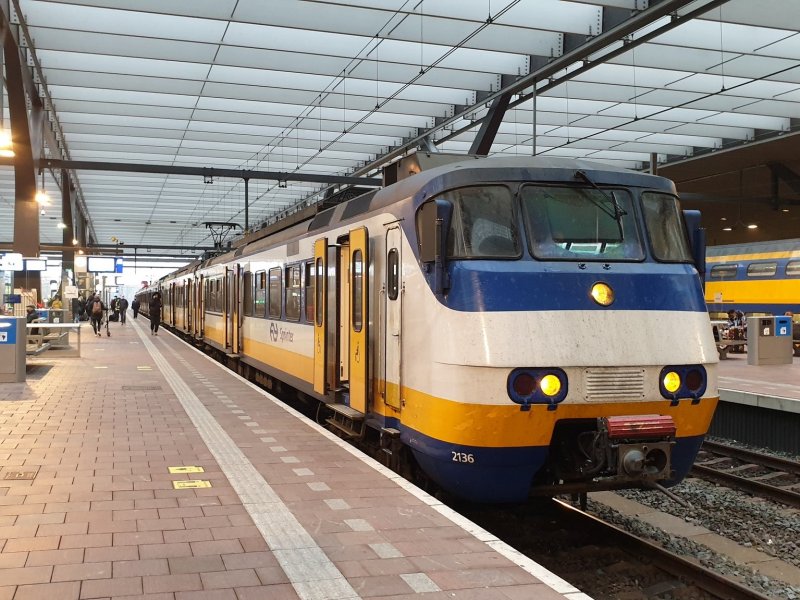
[533, 449]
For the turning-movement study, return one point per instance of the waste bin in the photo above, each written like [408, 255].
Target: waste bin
[769, 341]
[13, 338]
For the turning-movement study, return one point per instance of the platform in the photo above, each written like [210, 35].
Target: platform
[89, 508]
[759, 405]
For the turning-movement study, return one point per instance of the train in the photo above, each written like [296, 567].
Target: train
[497, 328]
[757, 278]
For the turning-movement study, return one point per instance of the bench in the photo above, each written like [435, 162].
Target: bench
[723, 346]
[56, 337]
[36, 344]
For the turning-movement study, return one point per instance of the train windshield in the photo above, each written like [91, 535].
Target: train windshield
[484, 223]
[581, 223]
[665, 227]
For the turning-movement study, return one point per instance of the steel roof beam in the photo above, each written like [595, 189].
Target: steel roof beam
[491, 123]
[78, 165]
[582, 53]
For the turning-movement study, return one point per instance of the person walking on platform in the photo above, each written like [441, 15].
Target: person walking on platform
[95, 307]
[135, 307]
[155, 313]
[123, 309]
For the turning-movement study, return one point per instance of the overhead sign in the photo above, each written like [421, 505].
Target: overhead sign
[101, 264]
[35, 264]
[118, 264]
[11, 261]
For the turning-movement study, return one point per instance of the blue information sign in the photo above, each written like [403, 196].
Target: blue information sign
[783, 326]
[8, 331]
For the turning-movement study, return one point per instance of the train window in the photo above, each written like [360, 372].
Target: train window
[484, 223]
[668, 237]
[793, 268]
[318, 290]
[292, 291]
[261, 294]
[358, 287]
[247, 293]
[392, 273]
[309, 292]
[762, 269]
[723, 271]
[275, 293]
[581, 224]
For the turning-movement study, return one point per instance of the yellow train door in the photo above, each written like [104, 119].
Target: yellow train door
[358, 273]
[320, 314]
[201, 306]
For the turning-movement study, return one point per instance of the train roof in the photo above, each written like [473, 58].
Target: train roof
[768, 247]
[456, 171]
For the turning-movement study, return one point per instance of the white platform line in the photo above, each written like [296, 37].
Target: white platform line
[310, 571]
[550, 579]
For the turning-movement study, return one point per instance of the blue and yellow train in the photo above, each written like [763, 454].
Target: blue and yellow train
[755, 278]
[506, 327]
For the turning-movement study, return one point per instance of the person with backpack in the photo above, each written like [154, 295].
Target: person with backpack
[95, 308]
[155, 313]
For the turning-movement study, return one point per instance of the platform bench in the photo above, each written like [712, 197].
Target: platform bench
[723, 346]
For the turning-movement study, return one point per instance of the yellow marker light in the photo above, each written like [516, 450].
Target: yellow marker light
[672, 381]
[602, 294]
[550, 385]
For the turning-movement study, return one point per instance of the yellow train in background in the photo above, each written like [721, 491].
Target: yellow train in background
[760, 278]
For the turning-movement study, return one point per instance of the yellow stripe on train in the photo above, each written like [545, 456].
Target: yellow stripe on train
[507, 426]
[767, 291]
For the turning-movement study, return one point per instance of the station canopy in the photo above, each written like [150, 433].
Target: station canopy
[330, 87]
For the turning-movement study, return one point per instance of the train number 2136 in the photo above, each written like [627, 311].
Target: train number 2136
[462, 457]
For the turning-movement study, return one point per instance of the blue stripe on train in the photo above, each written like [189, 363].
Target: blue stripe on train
[500, 475]
[524, 285]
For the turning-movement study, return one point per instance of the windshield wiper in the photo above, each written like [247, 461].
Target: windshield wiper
[618, 210]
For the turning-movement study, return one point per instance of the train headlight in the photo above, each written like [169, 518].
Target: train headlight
[683, 381]
[672, 382]
[602, 294]
[550, 385]
[537, 386]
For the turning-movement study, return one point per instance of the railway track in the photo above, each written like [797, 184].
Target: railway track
[688, 571]
[765, 476]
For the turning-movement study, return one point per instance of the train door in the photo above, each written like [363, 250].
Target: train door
[172, 287]
[238, 295]
[191, 311]
[320, 315]
[358, 321]
[392, 319]
[231, 296]
[341, 323]
[201, 309]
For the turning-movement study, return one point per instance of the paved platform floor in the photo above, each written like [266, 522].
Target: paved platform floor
[773, 386]
[89, 508]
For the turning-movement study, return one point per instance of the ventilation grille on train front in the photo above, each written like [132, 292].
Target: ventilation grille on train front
[613, 384]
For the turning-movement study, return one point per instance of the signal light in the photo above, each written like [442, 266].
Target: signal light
[537, 386]
[683, 381]
[672, 382]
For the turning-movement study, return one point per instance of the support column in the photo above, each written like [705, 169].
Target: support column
[67, 235]
[27, 140]
[246, 205]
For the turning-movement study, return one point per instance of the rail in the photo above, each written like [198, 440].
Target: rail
[755, 486]
[712, 582]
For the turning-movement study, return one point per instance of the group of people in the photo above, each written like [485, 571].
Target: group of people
[94, 308]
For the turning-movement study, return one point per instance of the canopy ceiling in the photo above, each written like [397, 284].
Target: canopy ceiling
[327, 86]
